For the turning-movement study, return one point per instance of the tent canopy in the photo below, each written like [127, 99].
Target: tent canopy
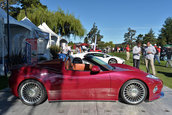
[45, 28]
[3, 14]
[38, 32]
[27, 21]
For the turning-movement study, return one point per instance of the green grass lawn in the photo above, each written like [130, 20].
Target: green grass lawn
[3, 82]
[164, 73]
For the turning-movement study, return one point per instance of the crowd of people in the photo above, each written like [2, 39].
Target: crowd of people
[149, 54]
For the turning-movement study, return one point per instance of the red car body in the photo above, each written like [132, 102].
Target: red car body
[62, 84]
[96, 50]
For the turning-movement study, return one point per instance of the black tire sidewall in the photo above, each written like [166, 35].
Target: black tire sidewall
[44, 93]
[112, 59]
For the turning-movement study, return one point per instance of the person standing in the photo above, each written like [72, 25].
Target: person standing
[136, 55]
[156, 57]
[128, 52]
[65, 49]
[143, 53]
[149, 59]
[169, 55]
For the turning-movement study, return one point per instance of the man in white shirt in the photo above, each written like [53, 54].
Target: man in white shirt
[149, 60]
[136, 55]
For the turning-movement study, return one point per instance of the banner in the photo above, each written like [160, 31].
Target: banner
[34, 50]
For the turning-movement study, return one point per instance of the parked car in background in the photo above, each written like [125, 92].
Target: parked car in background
[57, 80]
[96, 50]
[103, 56]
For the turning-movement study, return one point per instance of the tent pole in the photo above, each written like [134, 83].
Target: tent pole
[8, 33]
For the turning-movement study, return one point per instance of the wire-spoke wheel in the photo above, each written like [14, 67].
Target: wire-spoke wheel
[32, 92]
[133, 92]
[111, 61]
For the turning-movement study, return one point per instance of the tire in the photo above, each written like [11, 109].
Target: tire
[32, 92]
[112, 60]
[133, 92]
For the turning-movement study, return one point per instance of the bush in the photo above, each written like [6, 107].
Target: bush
[42, 58]
[17, 58]
[54, 50]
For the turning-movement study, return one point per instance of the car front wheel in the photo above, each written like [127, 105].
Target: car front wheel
[111, 61]
[32, 92]
[133, 92]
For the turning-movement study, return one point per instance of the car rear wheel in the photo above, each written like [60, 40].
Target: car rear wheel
[111, 61]
[133, 92]
[32, 92]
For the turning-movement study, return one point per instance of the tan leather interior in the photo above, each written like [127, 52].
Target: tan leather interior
[77, 67]
[82, 67]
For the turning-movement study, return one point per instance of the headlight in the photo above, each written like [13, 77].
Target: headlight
[43, 74]
[151, 76]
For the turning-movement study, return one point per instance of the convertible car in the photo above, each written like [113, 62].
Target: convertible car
[93, 79]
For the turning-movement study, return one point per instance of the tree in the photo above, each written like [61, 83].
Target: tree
[93, 33]
[3, 3]
[161, 41]
[101, 44]
[86, 40]
[61, 23]
[150, 37]
[129, 36]
[20, 5]
[165, 36]
[139, 38]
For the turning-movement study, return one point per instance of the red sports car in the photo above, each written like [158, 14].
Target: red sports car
[91, 79]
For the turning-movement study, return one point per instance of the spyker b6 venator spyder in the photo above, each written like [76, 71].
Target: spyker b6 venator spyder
[93, 79]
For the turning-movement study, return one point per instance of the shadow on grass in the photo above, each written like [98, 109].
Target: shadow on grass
[168, 74]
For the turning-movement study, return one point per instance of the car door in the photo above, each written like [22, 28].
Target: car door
[75, 85]
[80, 85]
[100, 87]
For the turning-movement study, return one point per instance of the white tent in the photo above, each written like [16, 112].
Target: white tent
[27, 21]
[18, 33]
[52, 34]
[42, 36]
[36, 32]
[3, 14]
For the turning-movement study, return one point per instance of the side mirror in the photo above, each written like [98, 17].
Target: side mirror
[104, 56]
[95, 69]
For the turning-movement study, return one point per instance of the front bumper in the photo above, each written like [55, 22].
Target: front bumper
[158, 94]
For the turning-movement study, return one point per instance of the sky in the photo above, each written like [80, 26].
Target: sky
[114, 17]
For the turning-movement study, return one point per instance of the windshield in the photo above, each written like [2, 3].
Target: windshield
[102, 63]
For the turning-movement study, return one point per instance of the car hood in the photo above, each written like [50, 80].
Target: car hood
[128, 71]
[124, 67]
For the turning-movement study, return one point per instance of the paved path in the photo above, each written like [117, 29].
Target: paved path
[10, 105]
